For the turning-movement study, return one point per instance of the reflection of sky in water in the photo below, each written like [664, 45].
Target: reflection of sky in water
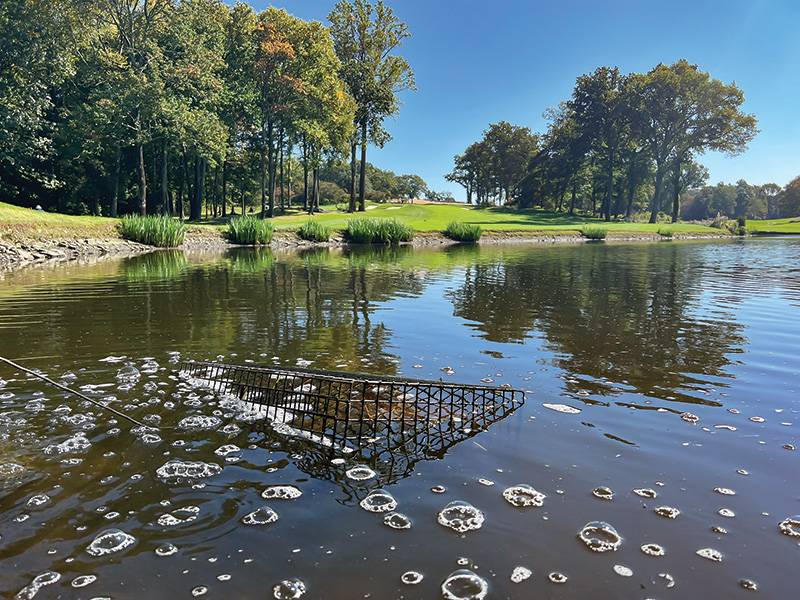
[659, 427]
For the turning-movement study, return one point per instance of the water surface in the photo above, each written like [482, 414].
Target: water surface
[680, 362]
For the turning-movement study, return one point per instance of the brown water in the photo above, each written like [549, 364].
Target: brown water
[682, 358]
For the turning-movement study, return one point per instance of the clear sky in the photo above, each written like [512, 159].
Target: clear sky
[481, 62]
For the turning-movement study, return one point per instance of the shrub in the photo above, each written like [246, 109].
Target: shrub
[463, 232]
[378, 231]
[593, 233]
[666, 232]
[250, 230]
[314, 231]
[163, 232]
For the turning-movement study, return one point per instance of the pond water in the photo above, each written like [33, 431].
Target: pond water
[658, 433]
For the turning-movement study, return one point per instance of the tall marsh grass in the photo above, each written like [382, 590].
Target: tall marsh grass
[314, 231]
[593, 232]
[163, 232]
[463, 232]
[378, 231]
[250, 230]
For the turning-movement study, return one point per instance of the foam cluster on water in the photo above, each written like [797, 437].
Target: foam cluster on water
[461, 516]
[522, 495]
[397, 520]
[464, 585]
[520, 574]
[289, 589]
[666, 511]
[199, 422]
[281, 492]
[790, 526]
[128, 374]
[710, 554]
[76, 443]
[41, 580]
[261, 516]
[110, 541]
[378, 501]
[83, 580]
[557, 577]
[166, 549]
[179, 516]
[411, 577]
[653, 550]
[176, 468]
[603, 492]
[600, 536]
[645, 492]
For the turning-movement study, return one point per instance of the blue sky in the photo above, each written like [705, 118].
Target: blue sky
[478, 63]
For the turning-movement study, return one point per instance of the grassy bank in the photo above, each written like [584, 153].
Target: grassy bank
[25, 225]
[775, 226]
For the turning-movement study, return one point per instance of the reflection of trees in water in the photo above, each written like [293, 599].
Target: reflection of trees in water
[626, 313]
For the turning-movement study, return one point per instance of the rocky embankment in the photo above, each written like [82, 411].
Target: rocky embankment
[29, 253]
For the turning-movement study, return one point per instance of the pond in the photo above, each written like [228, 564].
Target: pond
[658, 431]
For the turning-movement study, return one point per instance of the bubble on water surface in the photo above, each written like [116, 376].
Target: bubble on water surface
[486, 482]
[689, 417]
[110, 541]
[397, 520]
[520, 574]
[199, 422]
[289, 589]
[378, 501]
[748, 584]
[227, 449]
[710, 554]
[186, 514]
[790, 526]
[411, 577]
[150, 367]
[726, 512]
[76, 443]
[262, 516]
[623, 571]
[653, 550]
[200, 590]
[724, 491]
[757, 419]
[360, 473]
[603, 492]
[224, 577]
[600, 536]
[523, 495]
[461, 516]
[37, 500]
[166, 549]
[41, 580]
[557, 577]
[231, 429]
[666, 511]
[718, 529]
[281, 492]
[645, 492]
[668, 578]
[192, 470]
[464, 585]
[438, 489]
[83, 580]
[129, 374]
[562, 408]
[10, 469]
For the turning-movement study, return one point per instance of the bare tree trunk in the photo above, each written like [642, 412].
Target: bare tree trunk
[117, 169]
[362, 183]
[352, 207]
[305, 175]
[142, 181]
[610, 184]
[224, 186]
[164, 180]
[271, 167]
[283, 189]
[676, 189]
[657, 195]
[289, 173]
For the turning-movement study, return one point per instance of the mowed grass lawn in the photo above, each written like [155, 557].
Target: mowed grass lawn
[775, 226]
[432, 217]
[23, 223]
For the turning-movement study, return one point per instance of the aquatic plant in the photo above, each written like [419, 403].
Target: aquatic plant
[248, 229]
[163, 232]
[594, 233]
[666, 232]
[314, 231]
[463, 232]
[378, 231]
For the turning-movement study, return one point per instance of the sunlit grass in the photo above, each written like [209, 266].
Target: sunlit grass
[250, 230]
[314, 231]
[463, 232]
[163, 232]
[594, 232]
[378, 231]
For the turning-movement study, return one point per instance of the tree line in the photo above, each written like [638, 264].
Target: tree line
[170, 106]
[624, 144]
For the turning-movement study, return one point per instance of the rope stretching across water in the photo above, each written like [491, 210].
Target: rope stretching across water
[71, 391]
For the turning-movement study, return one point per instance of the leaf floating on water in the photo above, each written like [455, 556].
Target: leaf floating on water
[562, 408]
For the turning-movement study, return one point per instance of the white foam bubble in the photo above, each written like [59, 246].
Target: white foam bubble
[464, 585]
[461, 516]
[600, 536]
[522, 495]
[110, 541]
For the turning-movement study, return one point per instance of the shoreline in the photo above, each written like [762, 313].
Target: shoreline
[23, 253]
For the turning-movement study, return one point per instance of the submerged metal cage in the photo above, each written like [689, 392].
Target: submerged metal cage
[359, 412]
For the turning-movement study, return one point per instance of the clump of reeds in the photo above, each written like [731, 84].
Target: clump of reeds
[463, 232]
[314, 231]
[378, 231]
[594, 233]
[666, 232]
[251, 230]
[163, 232]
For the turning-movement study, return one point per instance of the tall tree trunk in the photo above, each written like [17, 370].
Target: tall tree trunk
[117, 169]
[271, 167]
[164, 179]
[201, 190]
[263, 166]
[189, 190]
[283, 189]
[142, 181]
[610, 183]
[224, 186]
[352, 207]
[289, 173]
[316, 188]
[657, 195]
[676, 189]
[305, 174]
[362, 182]
[631, 192]
[573, 196]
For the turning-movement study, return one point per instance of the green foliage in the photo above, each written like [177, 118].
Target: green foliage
[250, 230]
[666, 232]
[378, 231]
[463, 232]
[594, 232]
[163, 232]
[314, 231]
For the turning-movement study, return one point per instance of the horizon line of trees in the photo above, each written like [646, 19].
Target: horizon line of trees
[173, 106]
[624, 144]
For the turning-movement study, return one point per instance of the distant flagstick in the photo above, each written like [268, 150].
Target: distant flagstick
[71, 391]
